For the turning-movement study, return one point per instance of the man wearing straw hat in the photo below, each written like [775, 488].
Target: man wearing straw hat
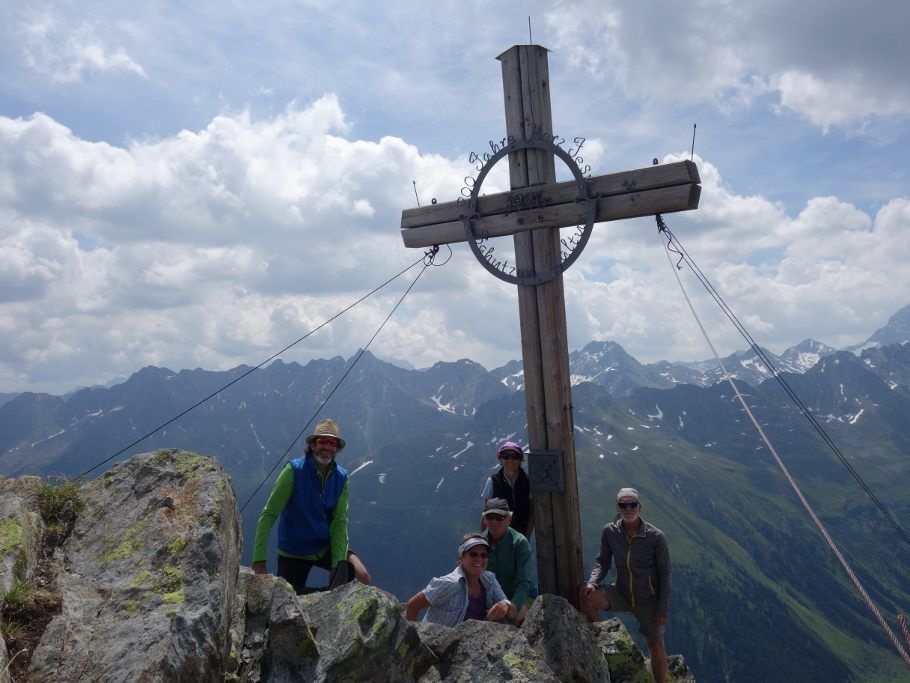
[310, 501]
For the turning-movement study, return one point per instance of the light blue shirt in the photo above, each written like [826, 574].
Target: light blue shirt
[487, 490]
[448, 596]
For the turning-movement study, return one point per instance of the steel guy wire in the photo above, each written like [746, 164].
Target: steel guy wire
[870, 603]
[427, 262]
[674, 245]
[422, 259]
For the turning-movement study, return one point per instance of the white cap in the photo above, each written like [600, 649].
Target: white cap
[627, 493]
[470, 543]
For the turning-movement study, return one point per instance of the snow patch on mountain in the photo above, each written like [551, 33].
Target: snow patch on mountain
[440, 406]
[52, 436]
[455, 455]
[359, 467]
[256, 435]
[804, 361]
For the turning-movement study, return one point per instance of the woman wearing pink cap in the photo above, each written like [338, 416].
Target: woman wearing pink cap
[511, 483]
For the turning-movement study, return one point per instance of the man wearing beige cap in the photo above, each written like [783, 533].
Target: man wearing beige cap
[310, 501]
[642, 576]
[510, 555]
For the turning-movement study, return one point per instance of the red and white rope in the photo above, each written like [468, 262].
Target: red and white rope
[902, 622]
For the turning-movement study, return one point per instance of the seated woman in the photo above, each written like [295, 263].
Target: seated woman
[469, 592]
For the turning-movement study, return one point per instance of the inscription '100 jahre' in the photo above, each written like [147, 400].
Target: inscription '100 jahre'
[524, 200]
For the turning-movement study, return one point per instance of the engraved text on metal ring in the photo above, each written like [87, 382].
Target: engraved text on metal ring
[526, 199]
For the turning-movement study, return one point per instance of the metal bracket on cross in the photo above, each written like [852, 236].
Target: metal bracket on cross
[545, 469]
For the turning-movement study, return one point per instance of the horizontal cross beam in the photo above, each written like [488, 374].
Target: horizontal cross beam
[628, 194]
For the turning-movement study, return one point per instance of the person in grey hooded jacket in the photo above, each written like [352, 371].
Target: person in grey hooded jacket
[642, 586]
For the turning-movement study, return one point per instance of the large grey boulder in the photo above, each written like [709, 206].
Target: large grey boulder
[21, 534]
[147, 576]
[270, 639]
[555, 643]
[483, 652]
[565, 638]
[362, 635]
[249, 625]
[354, 633]
[626, 661]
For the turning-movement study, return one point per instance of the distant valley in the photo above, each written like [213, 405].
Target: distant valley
[757, 595]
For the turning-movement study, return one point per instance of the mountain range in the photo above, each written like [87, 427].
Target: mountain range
[757, 594]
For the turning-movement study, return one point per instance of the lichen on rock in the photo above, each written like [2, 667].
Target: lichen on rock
[135, 605]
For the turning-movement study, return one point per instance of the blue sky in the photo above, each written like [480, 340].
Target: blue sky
[196, 185]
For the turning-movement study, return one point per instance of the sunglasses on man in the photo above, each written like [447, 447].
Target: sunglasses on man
[628, 506]
[511, 456]
[327, 441]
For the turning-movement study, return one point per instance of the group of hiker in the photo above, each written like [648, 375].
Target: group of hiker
[493, 576]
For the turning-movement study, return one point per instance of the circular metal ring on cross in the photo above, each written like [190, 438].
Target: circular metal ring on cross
[471, 218]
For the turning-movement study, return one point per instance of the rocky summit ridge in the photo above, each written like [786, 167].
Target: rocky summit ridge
[136, 576]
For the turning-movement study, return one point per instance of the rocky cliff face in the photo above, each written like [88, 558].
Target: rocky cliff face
[135, 576]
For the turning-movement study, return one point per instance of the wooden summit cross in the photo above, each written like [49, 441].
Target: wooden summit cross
[534, 216]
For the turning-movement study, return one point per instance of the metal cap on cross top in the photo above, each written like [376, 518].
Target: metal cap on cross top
[533, 212]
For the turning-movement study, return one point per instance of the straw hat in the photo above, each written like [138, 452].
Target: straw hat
[326, 427]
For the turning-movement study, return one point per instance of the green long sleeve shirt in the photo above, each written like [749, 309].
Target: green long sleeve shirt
[278, 499]
[510, 561]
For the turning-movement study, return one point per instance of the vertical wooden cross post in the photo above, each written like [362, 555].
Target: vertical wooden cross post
[540, 258]
[542, 316]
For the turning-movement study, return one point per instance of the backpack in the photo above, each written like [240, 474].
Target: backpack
[343, 573]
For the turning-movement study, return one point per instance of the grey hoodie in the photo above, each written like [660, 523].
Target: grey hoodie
[642, 564]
